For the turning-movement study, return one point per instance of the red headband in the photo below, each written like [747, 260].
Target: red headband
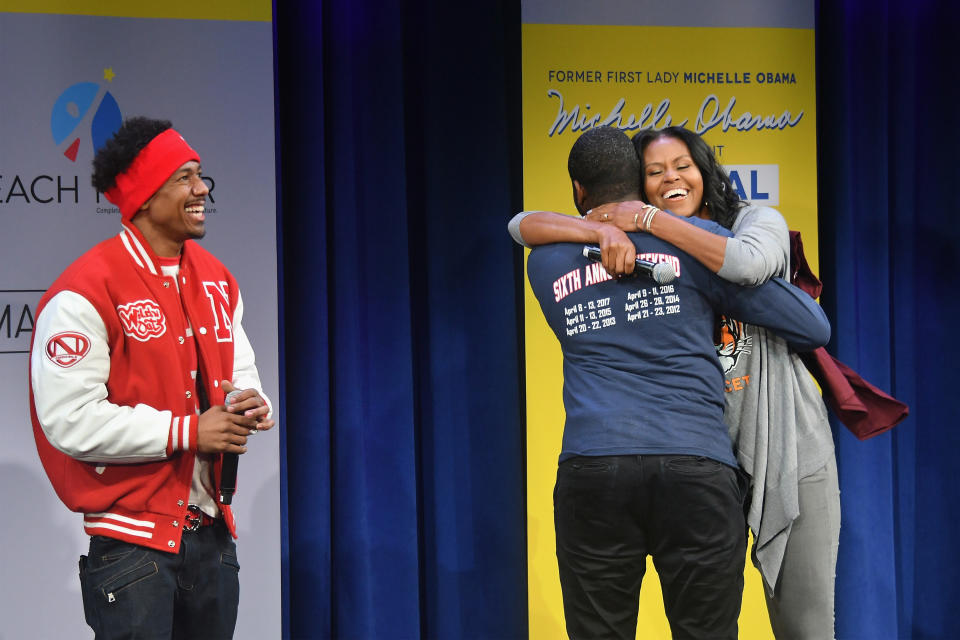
[149, 170]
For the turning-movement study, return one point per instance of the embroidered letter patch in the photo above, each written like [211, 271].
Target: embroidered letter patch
[142, 320]
[67, 348]
[217, 294]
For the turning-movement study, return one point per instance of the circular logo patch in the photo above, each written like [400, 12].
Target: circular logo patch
[67, 348]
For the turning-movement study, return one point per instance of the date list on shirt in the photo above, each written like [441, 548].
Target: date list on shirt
[597, 314]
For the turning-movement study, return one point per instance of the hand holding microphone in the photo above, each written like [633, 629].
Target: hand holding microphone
[249, 404]
[225, 428]
[228, 471]
[660, 272]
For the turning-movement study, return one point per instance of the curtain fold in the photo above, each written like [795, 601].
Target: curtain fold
[889, 242]
[304, 323]
[403, 434]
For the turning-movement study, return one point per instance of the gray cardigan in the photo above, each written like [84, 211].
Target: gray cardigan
[777, 419]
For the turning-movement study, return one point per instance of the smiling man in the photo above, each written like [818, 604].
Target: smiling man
[134, 349]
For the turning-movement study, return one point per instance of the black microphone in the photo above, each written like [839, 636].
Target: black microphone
[228, 469]
[660, 272]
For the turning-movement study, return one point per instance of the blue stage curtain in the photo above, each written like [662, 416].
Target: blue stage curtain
[888, 175]
[398, 165]
[398, 168]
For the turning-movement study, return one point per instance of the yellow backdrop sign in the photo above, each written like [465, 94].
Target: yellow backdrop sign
[751, 93]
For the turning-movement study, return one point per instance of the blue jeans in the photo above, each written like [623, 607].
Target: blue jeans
[610, 512]
[131, 591]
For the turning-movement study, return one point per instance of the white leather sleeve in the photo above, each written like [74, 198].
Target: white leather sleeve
[71, 401]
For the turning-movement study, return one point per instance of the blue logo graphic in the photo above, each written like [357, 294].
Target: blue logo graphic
[72, 107]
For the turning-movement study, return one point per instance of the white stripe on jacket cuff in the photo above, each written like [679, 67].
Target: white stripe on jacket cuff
[183, 434]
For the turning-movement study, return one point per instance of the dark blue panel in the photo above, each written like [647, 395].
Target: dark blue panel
[888, 249]
[404, 444]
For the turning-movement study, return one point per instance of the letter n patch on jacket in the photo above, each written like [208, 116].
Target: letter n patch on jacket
[218, 295]
[67, 348]
[142, 320]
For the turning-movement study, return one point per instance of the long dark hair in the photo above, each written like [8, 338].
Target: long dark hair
[722, 201]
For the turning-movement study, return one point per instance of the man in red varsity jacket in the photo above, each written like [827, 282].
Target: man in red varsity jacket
[135, 347]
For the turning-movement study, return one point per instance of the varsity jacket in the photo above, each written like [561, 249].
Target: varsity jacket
[113, 394]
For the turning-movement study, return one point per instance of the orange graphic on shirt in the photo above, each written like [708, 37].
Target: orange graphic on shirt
[731, 342]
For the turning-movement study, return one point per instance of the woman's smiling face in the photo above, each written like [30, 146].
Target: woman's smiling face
[671, 178]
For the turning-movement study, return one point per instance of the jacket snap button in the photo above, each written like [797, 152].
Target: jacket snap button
[189, 395]
[171, 544]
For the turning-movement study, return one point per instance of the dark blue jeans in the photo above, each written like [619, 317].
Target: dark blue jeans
[610, 512]
[131, 591]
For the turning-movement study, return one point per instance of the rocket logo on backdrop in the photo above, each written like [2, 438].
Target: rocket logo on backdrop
[71, 110]
[83, 117]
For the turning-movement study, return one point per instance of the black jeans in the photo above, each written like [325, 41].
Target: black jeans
[131, 591]
[610, 512]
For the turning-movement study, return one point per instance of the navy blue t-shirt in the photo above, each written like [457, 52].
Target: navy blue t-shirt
[640, 369]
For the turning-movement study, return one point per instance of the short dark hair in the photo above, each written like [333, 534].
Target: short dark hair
[118, 153]
[723, 203]
[605, 163]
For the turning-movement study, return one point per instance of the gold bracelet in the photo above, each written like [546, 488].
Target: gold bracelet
[635, 225]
